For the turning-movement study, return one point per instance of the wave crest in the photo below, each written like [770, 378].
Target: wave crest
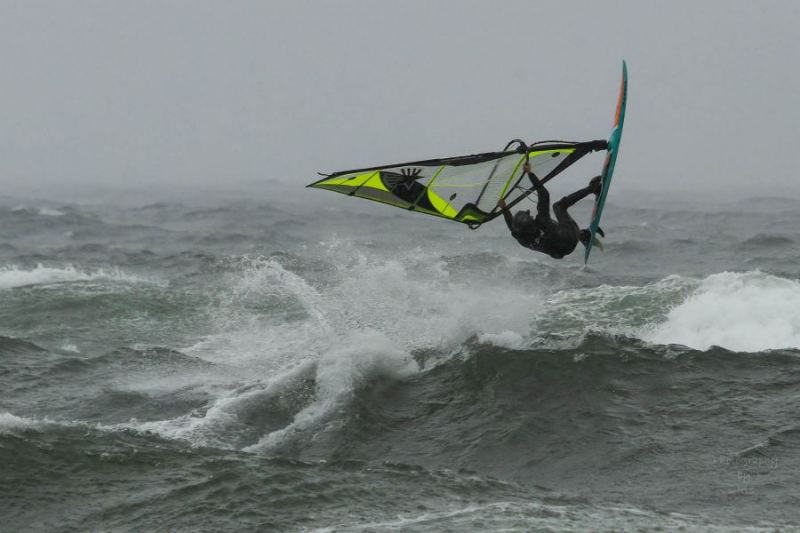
[13, 276]
[748, 312]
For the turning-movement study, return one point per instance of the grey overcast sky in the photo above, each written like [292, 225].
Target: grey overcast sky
[235, 93]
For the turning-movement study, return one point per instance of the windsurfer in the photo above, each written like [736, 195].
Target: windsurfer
[556, 238]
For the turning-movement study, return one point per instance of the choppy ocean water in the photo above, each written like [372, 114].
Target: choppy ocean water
[246, 363]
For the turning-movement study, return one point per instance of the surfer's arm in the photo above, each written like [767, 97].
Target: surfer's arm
[543, 205]
[506, 214]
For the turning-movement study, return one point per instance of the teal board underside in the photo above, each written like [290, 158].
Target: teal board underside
[611, 159]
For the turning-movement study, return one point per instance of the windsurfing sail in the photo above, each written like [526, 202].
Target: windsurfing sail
[464, 189]
[611, 159]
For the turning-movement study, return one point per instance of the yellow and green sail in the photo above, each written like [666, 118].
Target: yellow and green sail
[465, 189]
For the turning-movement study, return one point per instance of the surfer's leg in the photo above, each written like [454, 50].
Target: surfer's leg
[568, 229]
[571, 199]
[563, 217]
[567, 224]
[561, 206]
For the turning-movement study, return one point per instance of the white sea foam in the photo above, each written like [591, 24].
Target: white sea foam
[246, 334]
[536, 516]
[750, 311]
[360, 320]
[615, 309]
[357, 322]
[747, 312]
[351, 363]
[50, 212]
[359, 359]
[12, 276]
[42, 211]
[9, 422]
[410, 299]
[219, 425]
[504, 339]
[413, 299]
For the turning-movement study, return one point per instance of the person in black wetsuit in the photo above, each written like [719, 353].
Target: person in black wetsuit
[556, 238]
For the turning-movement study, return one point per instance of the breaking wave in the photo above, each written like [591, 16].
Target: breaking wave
[748, 312]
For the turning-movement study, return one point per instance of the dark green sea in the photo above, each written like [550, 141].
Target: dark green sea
[300, 361]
